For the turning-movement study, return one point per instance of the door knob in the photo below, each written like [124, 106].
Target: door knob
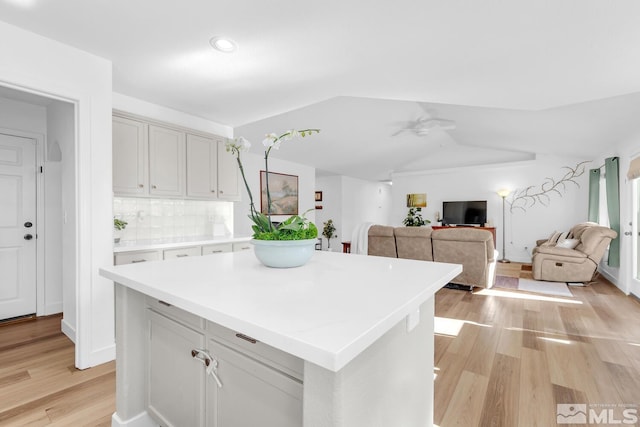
[28, 237]
[28, 224]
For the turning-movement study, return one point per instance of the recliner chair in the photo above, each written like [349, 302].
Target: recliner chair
[559, 264]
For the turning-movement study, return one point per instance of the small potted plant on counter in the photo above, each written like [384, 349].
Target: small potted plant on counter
[118, 225]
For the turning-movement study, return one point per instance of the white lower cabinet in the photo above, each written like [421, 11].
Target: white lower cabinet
[217, 248]
[182, 252]
[252, 394]
[242, 246]
[176, 384]
[200, 374]
[136, 257]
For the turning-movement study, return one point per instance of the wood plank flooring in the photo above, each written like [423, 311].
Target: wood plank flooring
[503, 358]
[39, 385]
[507, 358]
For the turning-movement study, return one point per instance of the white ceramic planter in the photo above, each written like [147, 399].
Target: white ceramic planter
[284, 253]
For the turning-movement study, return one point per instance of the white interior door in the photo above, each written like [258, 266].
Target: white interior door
[17, 226]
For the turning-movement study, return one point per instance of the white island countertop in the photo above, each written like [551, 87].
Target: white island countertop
[326, 312]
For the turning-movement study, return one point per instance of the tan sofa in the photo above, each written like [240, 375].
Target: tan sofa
[468, 246]
[561, 264]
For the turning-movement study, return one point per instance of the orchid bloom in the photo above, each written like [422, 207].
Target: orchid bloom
[290, 134]
[238, 145]
[271, 140]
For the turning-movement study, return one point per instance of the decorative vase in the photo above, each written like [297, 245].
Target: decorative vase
[284, 253]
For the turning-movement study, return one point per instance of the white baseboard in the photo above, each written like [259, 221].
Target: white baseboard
[103, 355]
[141, 420]
[612, 279]
[68, 330]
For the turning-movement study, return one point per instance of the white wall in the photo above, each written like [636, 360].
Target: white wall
[36, 64]
[481, 183]
[331, 187]
[352, 201]
[146, 109]
[23, 116]
[253, 164]
[61, 210]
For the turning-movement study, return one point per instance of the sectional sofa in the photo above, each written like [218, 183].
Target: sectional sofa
[473, 248]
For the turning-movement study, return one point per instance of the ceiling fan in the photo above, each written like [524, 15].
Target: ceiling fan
[426, 124]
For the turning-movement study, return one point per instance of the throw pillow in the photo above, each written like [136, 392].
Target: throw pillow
[567, 243]
[553, 239]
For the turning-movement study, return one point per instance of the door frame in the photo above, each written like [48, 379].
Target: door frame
[631, 270]
[40, 224]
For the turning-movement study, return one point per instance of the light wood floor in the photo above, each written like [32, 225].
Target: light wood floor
[39, 385]
[507, 361]
[503, 358]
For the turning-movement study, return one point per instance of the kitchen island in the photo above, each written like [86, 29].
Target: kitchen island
[344, 341]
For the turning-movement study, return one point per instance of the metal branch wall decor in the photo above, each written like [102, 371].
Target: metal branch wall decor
[528, 197]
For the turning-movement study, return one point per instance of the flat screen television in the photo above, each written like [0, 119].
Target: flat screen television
[464, 213]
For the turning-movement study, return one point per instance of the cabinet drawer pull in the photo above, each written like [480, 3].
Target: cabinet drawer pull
[138, 260]
[221, 192]
[166, 304]
[245, 248]
[141, 185]
[247, 338]
[154, 187]
[181, 255]
[217, 251]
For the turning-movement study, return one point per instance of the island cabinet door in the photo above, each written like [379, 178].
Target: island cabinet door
[250, 393]
[176, 379]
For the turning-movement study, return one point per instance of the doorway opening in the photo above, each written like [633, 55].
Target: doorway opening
[42, 208]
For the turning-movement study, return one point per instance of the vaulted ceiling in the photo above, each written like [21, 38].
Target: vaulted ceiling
[518, 78]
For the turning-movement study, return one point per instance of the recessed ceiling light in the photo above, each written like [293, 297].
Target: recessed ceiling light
[223, 44]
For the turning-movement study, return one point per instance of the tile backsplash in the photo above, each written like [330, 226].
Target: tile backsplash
[167, 218]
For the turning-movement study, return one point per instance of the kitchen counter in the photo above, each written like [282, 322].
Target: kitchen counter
[363, 326]
[174, 242]
[325, 312]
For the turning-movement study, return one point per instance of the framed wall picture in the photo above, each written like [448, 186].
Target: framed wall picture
[318, 196]
[417, 200]
[284, 193]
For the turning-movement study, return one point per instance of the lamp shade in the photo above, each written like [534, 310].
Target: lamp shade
[503, 193]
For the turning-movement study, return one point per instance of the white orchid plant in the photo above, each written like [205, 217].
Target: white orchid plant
[296, 227]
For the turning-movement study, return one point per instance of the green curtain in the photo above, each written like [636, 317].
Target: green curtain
[612, 176]
[594, 195]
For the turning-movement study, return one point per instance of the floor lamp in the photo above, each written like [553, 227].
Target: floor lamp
[503, 194]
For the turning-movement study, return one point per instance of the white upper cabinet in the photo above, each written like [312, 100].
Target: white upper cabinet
[228, 179]
[163, 161]
[202, 158]
[130, 157]
[166, 161]
[212, 172]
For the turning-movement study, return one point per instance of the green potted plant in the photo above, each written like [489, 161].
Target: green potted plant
[414, 218]
[272, 242]
[328, 232]
[118, 225]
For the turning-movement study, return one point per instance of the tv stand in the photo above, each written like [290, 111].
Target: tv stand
[491, 229]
